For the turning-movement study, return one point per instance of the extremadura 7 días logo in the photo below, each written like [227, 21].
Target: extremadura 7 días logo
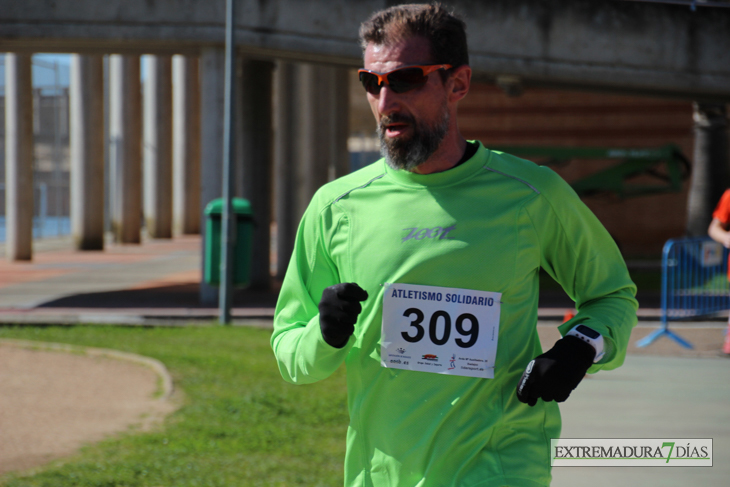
[631, 452]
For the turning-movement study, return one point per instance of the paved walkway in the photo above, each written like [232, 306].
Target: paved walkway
[662, 391]
[652, 397]
[156, 282]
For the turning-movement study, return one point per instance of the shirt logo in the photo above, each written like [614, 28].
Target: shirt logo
[417, 233]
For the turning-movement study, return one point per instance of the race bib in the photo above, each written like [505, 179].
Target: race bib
[440, 329]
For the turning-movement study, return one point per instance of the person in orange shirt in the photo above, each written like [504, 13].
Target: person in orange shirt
[719, 231]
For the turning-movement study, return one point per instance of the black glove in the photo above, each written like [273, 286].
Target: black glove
[554, 374]
[338, 310]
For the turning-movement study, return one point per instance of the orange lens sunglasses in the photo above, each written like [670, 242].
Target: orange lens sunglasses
[399, 80]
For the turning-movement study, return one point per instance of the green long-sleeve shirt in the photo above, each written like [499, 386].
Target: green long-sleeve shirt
[487, 226]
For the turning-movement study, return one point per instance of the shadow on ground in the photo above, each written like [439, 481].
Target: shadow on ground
[175, 296]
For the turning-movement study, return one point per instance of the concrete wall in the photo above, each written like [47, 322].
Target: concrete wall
[599, 44]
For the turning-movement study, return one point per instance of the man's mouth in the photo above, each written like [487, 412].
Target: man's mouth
[396, 129]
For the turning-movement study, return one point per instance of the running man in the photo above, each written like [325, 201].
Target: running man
[434, 251]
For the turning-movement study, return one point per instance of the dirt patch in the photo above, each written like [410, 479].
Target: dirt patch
[53, 402]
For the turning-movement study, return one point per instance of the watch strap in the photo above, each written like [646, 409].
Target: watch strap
[590, 336]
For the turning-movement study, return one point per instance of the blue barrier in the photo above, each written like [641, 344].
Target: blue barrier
[694, 283]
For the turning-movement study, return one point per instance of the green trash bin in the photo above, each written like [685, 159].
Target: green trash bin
[243, 231]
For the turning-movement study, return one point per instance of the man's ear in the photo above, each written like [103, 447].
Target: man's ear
[460, 82]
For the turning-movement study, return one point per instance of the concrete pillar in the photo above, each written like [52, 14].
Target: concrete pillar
[212, 75]
[311, 128]
[87, 151]
[285, 153]
[323, 122]
[313, 135]
[157, 146]
[257, 153]
[125, 148]
[339, 129]
[18, 157]
[710, 168]
[186, 145]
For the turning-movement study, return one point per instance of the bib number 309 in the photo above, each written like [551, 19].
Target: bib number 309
[441, 330]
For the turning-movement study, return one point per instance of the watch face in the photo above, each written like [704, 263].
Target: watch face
[589, 332]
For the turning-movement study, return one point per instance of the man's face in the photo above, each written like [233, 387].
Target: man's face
[411, 125]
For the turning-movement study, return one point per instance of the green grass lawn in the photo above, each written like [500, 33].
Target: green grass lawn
[240, 424]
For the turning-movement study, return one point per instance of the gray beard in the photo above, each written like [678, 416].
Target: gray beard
[411, 153]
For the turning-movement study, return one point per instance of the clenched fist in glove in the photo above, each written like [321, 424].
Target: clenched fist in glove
[338, 311]
[553, 375]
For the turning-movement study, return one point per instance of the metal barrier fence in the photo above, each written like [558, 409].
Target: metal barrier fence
[694, 283]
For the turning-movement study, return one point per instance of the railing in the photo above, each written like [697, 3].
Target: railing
[694, 283]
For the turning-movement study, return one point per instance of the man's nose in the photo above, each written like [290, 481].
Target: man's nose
[388, 100]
